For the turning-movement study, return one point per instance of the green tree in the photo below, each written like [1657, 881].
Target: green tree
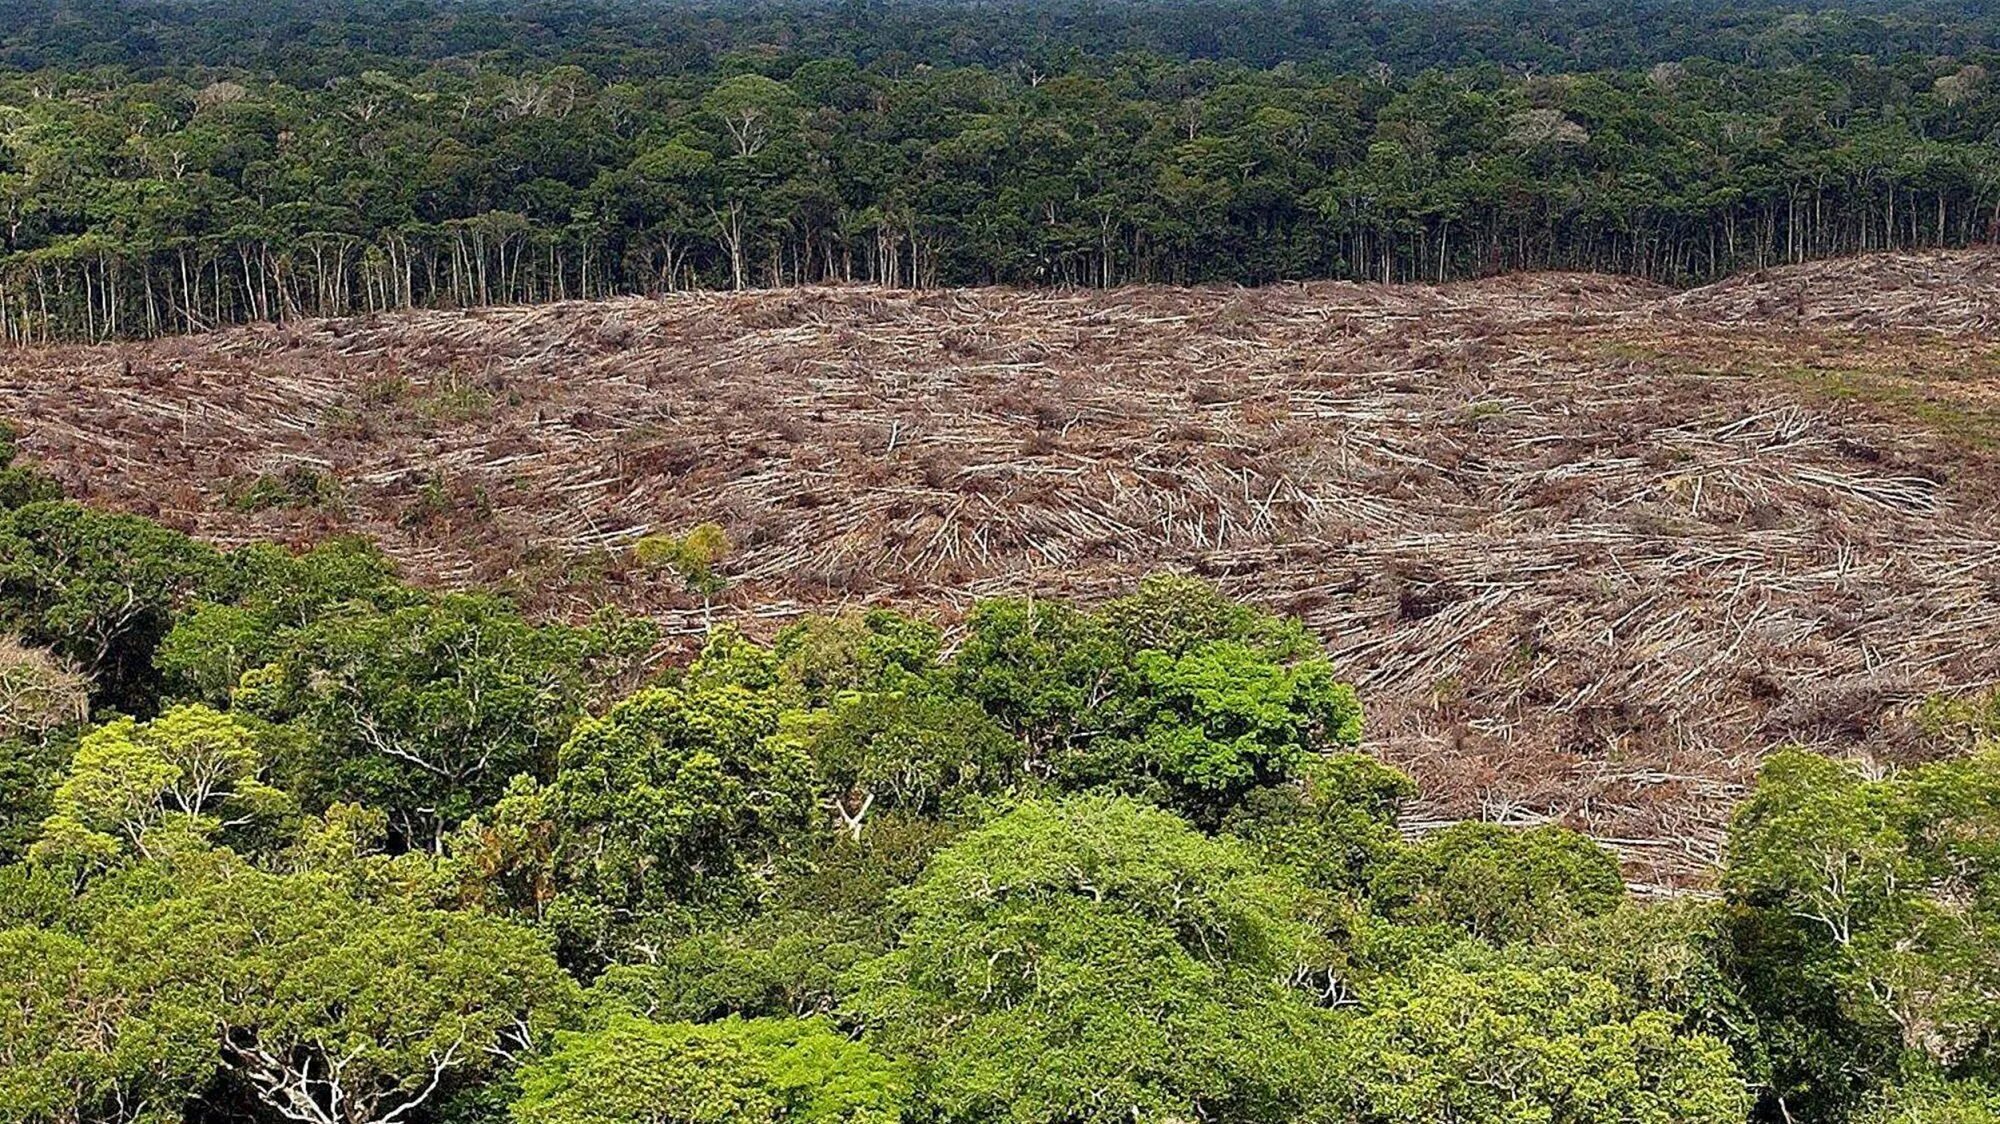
[1174, 693]
[917, 749]
[695, 557]
[1674, 956]
[1096, 959]
[100, 590]
[830, 912]
[1335, 826]
[265, 592]
[1934, 1102]
[191, 770]
[1895, 884]
[71, 1052]
[1505, 1044]
[327, 1006]
[423, 710]
[818, 659]
[1499, 884]
[674, 802]
[1048, 673]
[772, 1070]
[1222, 720]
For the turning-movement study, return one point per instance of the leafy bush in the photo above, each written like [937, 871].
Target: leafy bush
[21, 484]
[1173, 694]
[695, 557]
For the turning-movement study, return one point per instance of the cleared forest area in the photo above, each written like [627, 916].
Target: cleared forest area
[1588, 547]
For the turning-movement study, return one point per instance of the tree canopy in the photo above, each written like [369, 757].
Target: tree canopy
[1059, 863]
[222, 164]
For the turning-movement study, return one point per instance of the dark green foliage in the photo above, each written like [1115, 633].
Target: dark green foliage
[29, 771]
[425, 709]
[1047, 672]
[1220, 720]
[101, 590]
[778, 965]
[1173, 693]
[1335, 827]
[840, 49]
[1813, 1060]
[1499, 884]
[794, 958]
[21, 484]
[436, 166]
[672, 805]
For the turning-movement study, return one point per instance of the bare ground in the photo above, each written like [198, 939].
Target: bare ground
[1589, 547]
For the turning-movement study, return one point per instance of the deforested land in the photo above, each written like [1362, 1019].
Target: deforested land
[999, 562]
[1589, 546]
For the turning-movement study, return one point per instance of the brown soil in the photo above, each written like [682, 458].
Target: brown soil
[1588, 547]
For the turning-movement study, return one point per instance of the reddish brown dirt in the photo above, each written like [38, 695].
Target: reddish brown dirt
[1589, 548]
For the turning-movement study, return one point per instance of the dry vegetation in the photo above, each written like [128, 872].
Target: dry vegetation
[38, 692]
[1589, 547]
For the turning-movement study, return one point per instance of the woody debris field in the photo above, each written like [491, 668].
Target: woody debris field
[1588, 547]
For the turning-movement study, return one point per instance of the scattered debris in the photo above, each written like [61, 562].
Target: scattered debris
[1585, 545]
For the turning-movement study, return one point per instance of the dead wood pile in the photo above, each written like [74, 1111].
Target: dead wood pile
[1582, 564]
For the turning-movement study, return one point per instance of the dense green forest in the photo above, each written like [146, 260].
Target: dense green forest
[283, 838]
[173, 167]
[306, 42]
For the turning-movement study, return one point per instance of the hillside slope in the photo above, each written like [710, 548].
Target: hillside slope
[1589, 547]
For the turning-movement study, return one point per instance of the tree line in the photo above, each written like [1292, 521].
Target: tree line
[283, 838]
[308, 42]
[139, 201]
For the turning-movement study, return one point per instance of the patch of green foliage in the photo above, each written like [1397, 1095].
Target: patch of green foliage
[21, 484]
[695, 557]
[1929, 405]
[424, 154]
[296, 486]
[1498, 884]
[343, 848]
